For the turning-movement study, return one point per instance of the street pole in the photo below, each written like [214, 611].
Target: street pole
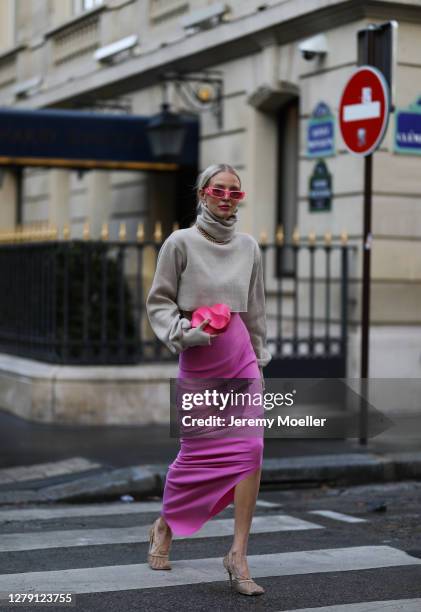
[367, 240]
[365, 311]
[376, 46]
[365, 318]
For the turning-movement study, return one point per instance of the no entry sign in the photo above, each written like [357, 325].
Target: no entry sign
[364, 110]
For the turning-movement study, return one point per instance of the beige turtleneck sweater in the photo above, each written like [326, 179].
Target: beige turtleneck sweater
[191, 271]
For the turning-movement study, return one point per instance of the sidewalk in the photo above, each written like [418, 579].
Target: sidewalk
[44, 463]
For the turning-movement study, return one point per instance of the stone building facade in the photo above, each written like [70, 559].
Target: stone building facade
[47, 59]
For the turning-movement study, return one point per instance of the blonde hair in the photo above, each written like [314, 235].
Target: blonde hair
[205, 176]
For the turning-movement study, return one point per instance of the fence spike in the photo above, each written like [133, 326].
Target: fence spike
[344, 238]
[296, 236]
[122, 234]
[312, 238]
[140, 234]
[279, 236]
[263, 237]
[157, 235]
[86, 231]
[105, 233]
[328, 238]
[66, 232]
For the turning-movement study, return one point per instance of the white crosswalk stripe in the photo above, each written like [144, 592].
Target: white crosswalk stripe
[99, 579]
[32, 514]
[138, 576]
[94, 537]
[106, 509]
[338, 516]
[262, 503]
[392, 605]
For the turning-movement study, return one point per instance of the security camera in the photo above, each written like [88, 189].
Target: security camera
[316, 46]
[308, 55]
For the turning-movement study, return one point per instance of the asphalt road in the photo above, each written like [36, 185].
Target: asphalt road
[301, 554]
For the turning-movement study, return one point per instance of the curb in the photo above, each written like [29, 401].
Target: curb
[137, 480]
[149, 480]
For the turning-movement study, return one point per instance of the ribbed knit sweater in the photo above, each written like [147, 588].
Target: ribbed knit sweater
[192, 271]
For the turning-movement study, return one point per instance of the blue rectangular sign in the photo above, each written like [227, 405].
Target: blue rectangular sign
[320, 137]
[408, 132]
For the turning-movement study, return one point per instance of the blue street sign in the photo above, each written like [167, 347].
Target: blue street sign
[321, 132]
[320, 188]
[408, 129]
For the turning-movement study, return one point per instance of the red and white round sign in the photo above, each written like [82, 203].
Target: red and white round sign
[364, 110]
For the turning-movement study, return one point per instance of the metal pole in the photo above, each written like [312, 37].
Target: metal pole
[367, 238]
[365, 316]
[365, 313]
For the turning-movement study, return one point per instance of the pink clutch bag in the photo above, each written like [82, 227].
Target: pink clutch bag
[219, 315]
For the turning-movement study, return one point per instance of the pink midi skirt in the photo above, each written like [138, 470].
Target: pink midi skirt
[201, 480]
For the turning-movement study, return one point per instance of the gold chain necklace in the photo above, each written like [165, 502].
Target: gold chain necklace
[209, 237]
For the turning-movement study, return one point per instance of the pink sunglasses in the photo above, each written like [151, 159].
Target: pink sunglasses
[218, 192]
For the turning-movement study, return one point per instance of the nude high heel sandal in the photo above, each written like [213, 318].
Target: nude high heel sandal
[245, 586]
[157, 559]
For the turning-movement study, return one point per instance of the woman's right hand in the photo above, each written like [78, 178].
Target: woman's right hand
[195, 336]
[203, 325]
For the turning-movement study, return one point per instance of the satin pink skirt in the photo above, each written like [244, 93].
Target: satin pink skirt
[201, 480]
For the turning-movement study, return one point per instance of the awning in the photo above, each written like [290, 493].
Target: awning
[85, 140]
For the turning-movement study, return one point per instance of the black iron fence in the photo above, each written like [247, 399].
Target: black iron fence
[83, 302]
[307, 307]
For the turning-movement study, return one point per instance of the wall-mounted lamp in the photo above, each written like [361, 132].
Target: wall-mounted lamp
[166, 132]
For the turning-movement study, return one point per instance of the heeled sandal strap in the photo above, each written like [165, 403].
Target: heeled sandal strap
[158, 554]
[151, 543]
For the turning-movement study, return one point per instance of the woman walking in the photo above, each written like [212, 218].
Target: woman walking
[205, 264]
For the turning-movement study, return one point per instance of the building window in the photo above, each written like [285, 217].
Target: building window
[81, 6]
